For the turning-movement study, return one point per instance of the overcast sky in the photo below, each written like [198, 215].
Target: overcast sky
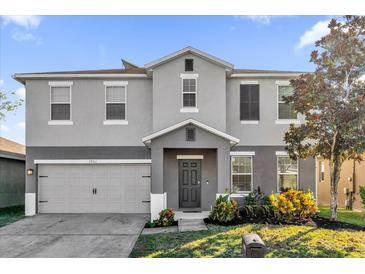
[54, 43]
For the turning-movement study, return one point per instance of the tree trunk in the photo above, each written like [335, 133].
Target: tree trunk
[335, 168]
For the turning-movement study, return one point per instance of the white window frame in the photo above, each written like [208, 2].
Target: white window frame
[278, 120]
[116, 84]
[245, 155]
[56, 84]
[280, 154]
[321, 170]
[183, 77]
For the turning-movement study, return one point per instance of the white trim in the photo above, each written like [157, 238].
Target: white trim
[78, 75]
[242, 153]
[232, 139]
[281, 153]
[189, 75]
[242, 173]
[60, 123]
[249, 122]
[60, 83]
[115, 83]
[287, 121]
[188, 50]
[123, 84]
[250, 82]
[189, 157]
[239, 195]
[253, 75]
[93, 161]
[282, 83]
[115, 122]
[189, 109]
[278, 173]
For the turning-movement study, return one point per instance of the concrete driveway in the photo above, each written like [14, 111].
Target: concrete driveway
[72, 235]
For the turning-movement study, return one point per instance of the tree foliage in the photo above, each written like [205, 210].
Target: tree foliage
[7, 105]
[332, 100]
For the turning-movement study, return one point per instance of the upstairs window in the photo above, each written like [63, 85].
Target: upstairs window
[60, 103]
[249, 102]
[285, 110]
[189, 93]
[189, 64]
[287, 173]
[115, 102]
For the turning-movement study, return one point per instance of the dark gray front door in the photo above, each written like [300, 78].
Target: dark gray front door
[189, 183]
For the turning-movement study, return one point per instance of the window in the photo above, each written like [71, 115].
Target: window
[249, 103]
[190, 134]
[241, 172]
[115, 102]
[285, 110]
[189, 64]
[287, 173]
[189, 93]
[60, 102]
[321, 171]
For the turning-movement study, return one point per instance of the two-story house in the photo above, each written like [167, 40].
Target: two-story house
[175, 133]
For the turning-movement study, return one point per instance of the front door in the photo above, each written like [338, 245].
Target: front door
[189, 183]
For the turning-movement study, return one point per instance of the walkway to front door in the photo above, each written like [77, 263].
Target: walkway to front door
[189, 183]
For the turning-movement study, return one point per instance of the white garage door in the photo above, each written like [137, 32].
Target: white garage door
[102, 188]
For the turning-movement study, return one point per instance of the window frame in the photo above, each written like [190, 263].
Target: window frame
[321, 164]
[60, 84]
[187, 77]
[253, 121]
[251, 173]
[279, 155]
[116, 121]
[278, 119]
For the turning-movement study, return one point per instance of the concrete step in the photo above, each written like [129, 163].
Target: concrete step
[191, 225]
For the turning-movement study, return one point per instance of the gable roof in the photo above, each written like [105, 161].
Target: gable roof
[187, 50]
[11, 146]
[212, 130]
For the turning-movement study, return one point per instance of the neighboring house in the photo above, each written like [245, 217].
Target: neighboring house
[12, 173]
[175, 133]
[352, 176]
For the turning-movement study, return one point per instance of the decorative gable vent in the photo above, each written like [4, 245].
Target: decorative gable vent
[190, 134]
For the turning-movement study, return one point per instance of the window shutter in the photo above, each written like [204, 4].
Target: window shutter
[250, 102]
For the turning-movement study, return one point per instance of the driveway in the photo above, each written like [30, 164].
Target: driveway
[72, 235]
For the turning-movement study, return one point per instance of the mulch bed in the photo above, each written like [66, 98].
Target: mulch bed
[318, 222]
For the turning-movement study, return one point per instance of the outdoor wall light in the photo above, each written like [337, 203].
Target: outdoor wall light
[29, 172]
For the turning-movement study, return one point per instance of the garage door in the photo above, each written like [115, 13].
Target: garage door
[102, 188]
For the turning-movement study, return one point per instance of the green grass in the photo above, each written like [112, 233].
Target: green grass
[343, 215]
[224, 242]
[11, 214]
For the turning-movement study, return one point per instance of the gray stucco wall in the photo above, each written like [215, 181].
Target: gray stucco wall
[167, 93]
[88, 114]
[47, 153]
[171, 176]
[204, 140]
[267, 132]
[12, 182]
[265, 169]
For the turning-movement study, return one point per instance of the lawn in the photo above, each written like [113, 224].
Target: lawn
[343, 215]
[225, 242]
[11, 214]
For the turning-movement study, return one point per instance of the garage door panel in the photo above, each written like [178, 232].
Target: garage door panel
[69, 188]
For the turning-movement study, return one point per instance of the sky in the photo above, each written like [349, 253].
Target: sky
[55, 43]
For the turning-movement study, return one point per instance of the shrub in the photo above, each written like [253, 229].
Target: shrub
[225, 210]
[166, 217]
[256, 198]
[362, 195]
[293, 206]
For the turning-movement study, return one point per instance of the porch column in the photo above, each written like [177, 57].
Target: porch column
[224, 169]
[158, 197]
